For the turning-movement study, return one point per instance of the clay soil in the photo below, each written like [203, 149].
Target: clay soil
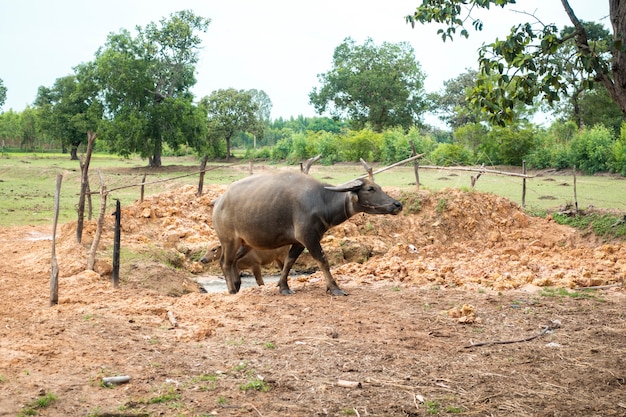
[433, 294]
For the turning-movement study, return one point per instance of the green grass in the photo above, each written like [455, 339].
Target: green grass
[27, 184]
[603, 225]
[562, 293]
[40, 403]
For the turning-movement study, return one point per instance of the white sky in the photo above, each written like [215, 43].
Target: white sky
[273, 45]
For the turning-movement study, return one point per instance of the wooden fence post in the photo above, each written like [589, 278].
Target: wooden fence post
[416, 165]
[575, 192]
[91, 260]
[84, 184]
[115, 274]
[202, 173]
[524, 184]
[54, 271]
[143, 186]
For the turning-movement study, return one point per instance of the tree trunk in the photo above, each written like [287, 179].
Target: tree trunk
[155, 161]
[227, 148]
[74, 153]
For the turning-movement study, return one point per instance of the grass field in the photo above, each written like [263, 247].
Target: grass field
[27, 183]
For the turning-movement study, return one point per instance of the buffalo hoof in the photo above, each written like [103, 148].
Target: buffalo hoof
[337, 292]
[286, 291]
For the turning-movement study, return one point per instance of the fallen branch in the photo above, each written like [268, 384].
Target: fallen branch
[553, 325]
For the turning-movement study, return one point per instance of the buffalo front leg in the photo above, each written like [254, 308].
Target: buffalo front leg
[294, 252]
[316, 251]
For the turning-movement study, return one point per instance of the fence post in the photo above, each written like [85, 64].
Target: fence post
[115, 274]
[91, 260]
[575, 193]
[524, 184]
[205, 159]
[415, 165]
[54, 272]
[143, 186]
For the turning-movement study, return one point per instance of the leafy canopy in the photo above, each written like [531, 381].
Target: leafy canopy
[230, 111]
[520, 68]
[381, 86]
[3, 93]
[146, 82]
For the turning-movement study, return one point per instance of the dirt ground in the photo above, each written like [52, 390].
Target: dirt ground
[434, 293]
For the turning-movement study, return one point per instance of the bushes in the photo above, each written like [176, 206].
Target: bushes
[591, 149]
[561, 146]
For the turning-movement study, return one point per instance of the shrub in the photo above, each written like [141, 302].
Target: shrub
[591, 149]
[447, 154]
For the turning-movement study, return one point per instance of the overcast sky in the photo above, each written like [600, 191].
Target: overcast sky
[274, 45]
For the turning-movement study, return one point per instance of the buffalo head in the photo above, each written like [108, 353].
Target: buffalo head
[367, 196]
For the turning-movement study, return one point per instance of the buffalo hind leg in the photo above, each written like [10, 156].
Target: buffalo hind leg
[295, 251]
[231, 253]
[256, 270]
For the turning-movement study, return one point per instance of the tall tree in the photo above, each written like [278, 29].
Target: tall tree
[382, 86]
[67, 110]
[146, 82]
[520, 67]
[3, 93]
[452, 104]
[230, 111]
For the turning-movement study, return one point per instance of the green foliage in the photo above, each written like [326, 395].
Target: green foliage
[603, 225]
[380, 86]
[66, 111]
[281, 151]
[358, 144]
[591, 149]
[448, 154]
[597, 107]
[452, 105]
[230, 111]
[395, 145]
[145, 84]
[3, 93]
[257, 385]
[32, 408]
[562, 293]
[471, 136]
[617, 162]
[520, 67]
[507, 145]
[326, 144]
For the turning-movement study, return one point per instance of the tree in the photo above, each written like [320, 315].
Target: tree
[146, 82]
[452, 104]
[230, 111]
[67, 111]
[573, 75]
[3, 93]
[520, 67]
[264, 104]
[382, 86]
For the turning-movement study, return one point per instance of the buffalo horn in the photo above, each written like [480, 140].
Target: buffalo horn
[349, 186]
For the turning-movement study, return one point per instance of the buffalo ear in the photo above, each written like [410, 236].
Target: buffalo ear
[349, 186]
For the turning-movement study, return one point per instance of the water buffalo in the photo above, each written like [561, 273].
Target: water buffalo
[273, 210]
[253, 260]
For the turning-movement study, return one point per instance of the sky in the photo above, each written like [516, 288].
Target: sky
[276, 46]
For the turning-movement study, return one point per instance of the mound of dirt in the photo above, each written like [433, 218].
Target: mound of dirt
[452, 238]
